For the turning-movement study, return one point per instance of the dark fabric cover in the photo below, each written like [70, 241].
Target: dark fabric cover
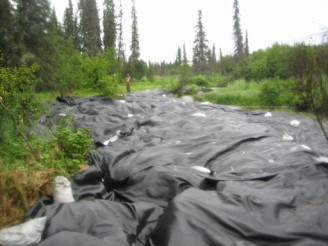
[142, 190]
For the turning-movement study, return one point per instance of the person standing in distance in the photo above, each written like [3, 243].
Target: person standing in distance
[128, 82]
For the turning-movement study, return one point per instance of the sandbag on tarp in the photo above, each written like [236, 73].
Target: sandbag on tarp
[261, 181]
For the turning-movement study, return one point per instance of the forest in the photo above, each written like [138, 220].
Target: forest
[42, 57]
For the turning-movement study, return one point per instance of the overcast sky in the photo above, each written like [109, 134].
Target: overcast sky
[164, 25]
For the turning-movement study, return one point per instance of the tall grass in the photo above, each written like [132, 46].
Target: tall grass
[158, 83]
[237, 93]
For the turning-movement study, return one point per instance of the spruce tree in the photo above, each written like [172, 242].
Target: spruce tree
[178, 58]
[89, 27]
[237, 33]
[246, 45]
[33, 23]
[120, 45]
[200, 50]
[7, 43]
[109, 24]
[36, 37]
[68, 23]
[184, 59]
[135, 49]
[212, 59]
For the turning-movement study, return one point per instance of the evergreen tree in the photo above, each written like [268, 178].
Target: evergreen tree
[68, 23]
[89, 27]
[54, 24]
[212, 59]
[246, 45]
[200, 50]
[7, 45]
[178, 59]
[71, 30]
[135, 49]
[184, 59]
[237, 33]
[109, 24]
[36, 36]
[120, 45]
[33, 25]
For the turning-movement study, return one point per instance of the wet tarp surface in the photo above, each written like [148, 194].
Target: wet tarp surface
[142, 189]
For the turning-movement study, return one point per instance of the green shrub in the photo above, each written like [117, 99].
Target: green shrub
[277, 92]
[108, 85]
[75, 144]
[200, 80]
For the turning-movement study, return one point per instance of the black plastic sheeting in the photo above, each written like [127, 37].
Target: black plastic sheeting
[142, 190]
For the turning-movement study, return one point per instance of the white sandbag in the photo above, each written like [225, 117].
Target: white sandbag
[268, 114]
[63, 190]
[25, 234]
[199, 114]
[205, 103]
[187, 99]
[295, 123]
[112, 139]
[305, 147]
[287, 137]
[201, 169]
[323, 159]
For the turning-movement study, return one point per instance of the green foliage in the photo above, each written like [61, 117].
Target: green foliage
[100, 72]
[108, 85]
[309, 65]
[200, 80]
[237, 93]
[216, 80]
[69, 74]
[184, 71]
[257, 68]
[74, 144]
[277, 92]
[16, 89]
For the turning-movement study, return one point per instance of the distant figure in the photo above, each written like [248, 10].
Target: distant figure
[128, 82]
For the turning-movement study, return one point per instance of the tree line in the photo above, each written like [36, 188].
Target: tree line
[75, 54]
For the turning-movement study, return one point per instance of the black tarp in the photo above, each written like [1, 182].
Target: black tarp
[142, 190]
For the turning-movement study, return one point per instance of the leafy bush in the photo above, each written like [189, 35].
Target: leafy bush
[108, 85]
[75, 144]
[200, 80]
[184, 71]
[277, 92]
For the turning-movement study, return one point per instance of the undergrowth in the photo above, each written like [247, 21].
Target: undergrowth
[24, 178]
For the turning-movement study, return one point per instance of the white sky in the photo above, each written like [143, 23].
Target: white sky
[164, 25]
